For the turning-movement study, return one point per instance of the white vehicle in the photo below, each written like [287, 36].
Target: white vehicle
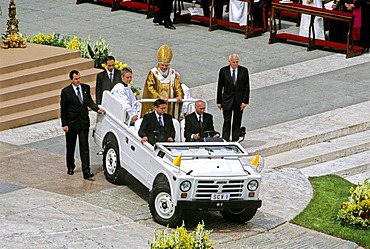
[211, 176]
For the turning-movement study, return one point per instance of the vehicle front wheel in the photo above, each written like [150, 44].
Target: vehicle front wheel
[162, 206]
[111, 163]
[241, 215]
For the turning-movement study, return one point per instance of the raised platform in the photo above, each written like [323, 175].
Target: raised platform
[31, 81]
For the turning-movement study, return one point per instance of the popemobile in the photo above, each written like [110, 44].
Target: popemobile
[210, 175]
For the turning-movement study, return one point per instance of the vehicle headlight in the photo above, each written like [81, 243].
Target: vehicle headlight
[185, 186]
[252, 185]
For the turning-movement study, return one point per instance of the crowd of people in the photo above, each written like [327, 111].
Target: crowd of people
[162, 83]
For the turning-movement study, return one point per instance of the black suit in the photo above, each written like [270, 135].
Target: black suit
[231, 96]
[76, 116]
[150, 123]
[192, 125]
[103, 83]
[164, 12]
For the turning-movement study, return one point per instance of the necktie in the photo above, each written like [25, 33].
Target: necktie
[160, 121]
[234, 77]
[79, 94]
[200, 121]
[111, 77]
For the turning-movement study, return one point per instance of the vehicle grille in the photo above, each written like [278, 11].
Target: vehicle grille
[205, 188]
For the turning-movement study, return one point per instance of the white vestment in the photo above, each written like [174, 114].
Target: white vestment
[125, 95]
[185, 105]
[318, 23]
[238, 12]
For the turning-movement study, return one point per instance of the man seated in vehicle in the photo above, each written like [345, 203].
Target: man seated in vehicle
[157, 126]
[199, 124]
[122, 91]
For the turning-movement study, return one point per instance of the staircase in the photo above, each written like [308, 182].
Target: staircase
[334, 142]
[31, 80]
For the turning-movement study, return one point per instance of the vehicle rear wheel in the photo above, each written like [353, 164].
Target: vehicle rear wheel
[241, 215]
[162, 206]
[113, 171]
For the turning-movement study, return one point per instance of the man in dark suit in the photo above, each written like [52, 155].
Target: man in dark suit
[107, 79]
[163, 15]
[74, 101]
[198, 122]
[157, 126]
[232, 96]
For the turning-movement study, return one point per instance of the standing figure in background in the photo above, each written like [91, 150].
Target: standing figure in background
[218, 8]
[338, 30]
[106, 80]
[162, 82]
[163, 15]
[318, 22]
[232, 96]
[74, 114]
[362, 9]
[122, 91]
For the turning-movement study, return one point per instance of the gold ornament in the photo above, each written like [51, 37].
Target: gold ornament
[12, 37]
[164, 54]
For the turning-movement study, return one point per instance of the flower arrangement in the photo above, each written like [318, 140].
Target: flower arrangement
[356, 211]
[73, 44]
[180, 238]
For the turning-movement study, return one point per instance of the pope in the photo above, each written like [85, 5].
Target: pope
[162, 82]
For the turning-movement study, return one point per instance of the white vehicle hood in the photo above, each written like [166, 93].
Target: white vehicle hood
[212, 167]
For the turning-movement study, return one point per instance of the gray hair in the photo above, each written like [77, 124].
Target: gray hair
[233, 55]
[126, 70]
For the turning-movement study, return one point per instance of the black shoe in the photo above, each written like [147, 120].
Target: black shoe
[70, 172]
[88, 175]
[169, 26]
[159, 22]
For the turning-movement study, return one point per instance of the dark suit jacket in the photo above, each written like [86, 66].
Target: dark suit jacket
[227, 93]
[74, 114]
[103, 83]
[192, 125]
[150, 124]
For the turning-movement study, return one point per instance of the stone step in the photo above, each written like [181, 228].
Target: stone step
[34, 55]
[354, 168]
[45, 71]
[30, 116]
[310, 130]
[358, 178]
[44, 85]
[321, 152]
[35, 100]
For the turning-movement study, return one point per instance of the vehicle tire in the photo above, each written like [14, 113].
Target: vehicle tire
[162, 207]
[240, 215]
[113, 171]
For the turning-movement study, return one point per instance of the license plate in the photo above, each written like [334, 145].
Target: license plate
[220, 197]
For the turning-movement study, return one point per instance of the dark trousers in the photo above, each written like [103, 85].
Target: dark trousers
[235, 114]
[218, 8]
[164, 13]
[83, 142]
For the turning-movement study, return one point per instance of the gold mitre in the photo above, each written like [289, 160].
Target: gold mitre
[164, 54]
